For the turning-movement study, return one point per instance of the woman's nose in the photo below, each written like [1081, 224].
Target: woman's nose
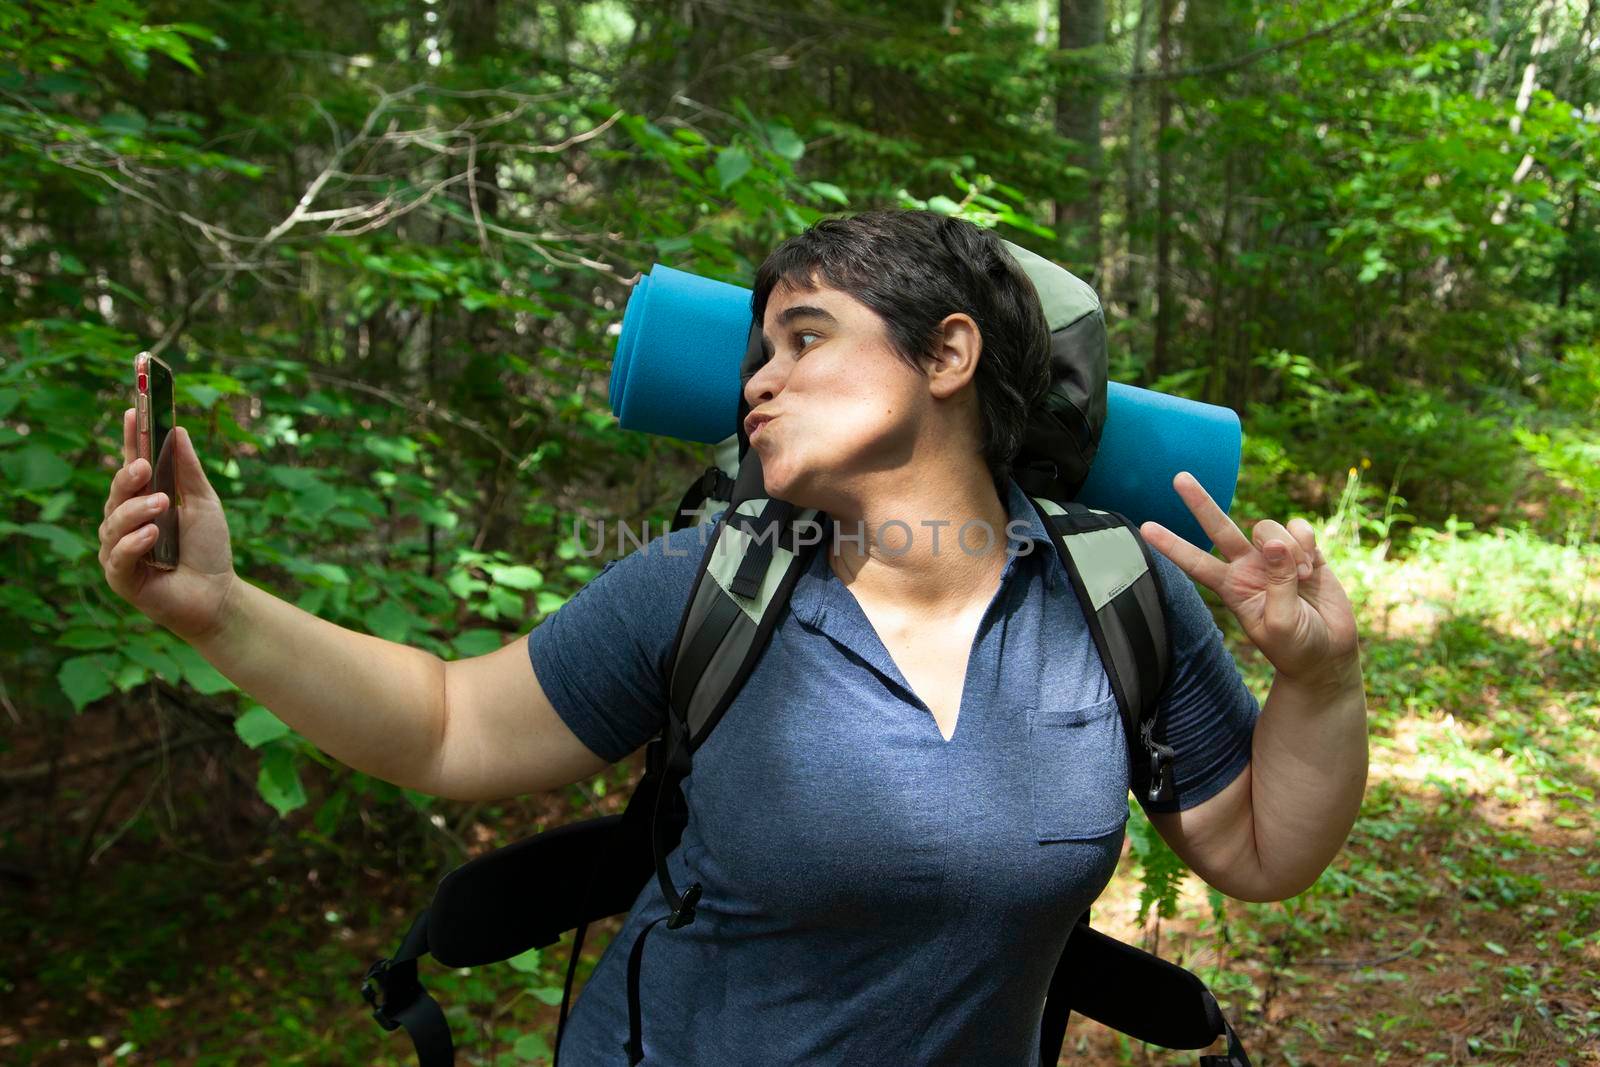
[763, 384]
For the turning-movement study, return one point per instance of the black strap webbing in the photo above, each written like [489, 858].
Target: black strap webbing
[566, 990]
[634, 1046]
[1057, 1006]
[1235, 1056]
[770, 529]
[714, 484]
[398, 999]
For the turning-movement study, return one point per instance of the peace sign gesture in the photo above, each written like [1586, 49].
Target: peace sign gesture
[1278, 585]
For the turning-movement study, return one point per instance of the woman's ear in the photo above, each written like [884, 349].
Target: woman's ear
[955, 357]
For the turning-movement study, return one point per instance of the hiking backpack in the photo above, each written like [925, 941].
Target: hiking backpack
[505, 902]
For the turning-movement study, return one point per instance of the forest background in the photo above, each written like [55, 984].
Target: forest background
[385, 245]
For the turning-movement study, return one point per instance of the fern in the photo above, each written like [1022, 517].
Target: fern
[1161, 872]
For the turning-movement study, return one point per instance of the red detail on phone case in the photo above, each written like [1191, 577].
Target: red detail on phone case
[143, 382]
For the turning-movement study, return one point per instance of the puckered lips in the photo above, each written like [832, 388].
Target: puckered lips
[754, 421]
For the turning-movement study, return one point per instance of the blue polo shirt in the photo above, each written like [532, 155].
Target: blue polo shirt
[873, 892]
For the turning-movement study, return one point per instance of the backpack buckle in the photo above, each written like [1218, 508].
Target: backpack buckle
[683, 914]
[713, 481]
[1160, 773]
[372, 984]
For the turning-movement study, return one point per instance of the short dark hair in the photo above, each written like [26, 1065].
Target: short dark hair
[913, 268]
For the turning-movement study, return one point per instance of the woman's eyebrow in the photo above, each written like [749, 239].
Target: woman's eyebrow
[799, 311]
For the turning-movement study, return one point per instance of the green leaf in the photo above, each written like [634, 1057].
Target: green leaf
[463, 584]
[786, 142]
[1497, 949]
[732, 164]
[201, 395]
[56, 506]
[298, 479]
[279, 780]
[526, 962]
[36, 467]
[548, 994]
[257, 726]
[548, 603]
[502, 603]
[85, 638]
[332, 572]
[130, 675]
[477, 642]
[64, 543]
[85, 679]
[332, 810]
[532, 1047]
[201, 676]
[317, 501]
[432, 512]
[142, 652]
[311, 600]
[518, 577]
[389, 620]
[402, 450]
[829, 191]
[127, 122]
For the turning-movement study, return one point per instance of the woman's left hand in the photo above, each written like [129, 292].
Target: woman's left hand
[1291, 607]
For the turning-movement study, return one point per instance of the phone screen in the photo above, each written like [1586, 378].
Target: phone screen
[161, 423]
[163, 461]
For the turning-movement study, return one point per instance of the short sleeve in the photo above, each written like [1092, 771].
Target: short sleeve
[1208, 714]
[602, 657]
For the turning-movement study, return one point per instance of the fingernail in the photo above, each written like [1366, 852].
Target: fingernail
[153, 504]
[1305, 570]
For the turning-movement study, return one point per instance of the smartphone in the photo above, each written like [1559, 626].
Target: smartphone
[155, 420]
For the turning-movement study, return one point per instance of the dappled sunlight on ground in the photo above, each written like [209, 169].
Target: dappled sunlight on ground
[1461, 923]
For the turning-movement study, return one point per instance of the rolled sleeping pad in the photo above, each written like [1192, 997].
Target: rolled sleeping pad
[676, 373]
[1147, 439]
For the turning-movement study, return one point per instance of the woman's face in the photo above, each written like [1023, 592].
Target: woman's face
[842, 402]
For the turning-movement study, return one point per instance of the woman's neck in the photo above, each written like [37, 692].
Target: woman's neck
[927, 541]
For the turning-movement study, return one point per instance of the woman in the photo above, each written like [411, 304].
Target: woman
[923, 783]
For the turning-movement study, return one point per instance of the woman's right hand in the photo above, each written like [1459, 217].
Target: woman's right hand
[191, 600]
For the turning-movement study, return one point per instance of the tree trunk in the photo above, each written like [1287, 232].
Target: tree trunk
[1164, 296]
[1216, 380]
[1082, 26]
[1483, 57]
[1530, 80]
[1130, 280]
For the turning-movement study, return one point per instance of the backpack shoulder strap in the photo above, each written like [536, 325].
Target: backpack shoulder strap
[1119, 588]
[758, 550]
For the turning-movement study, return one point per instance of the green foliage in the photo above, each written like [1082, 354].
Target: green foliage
[1161, 872]
[385, 249]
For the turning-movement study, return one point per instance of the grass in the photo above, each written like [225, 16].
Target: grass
[1460, 924]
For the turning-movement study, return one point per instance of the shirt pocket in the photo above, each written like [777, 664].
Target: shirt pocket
[1078, 771]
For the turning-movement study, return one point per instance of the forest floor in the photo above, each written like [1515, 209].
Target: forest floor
[1460, 925]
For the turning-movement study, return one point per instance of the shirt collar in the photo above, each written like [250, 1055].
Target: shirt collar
[1027, 533]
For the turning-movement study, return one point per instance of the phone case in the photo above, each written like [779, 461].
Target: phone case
[163, 554]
